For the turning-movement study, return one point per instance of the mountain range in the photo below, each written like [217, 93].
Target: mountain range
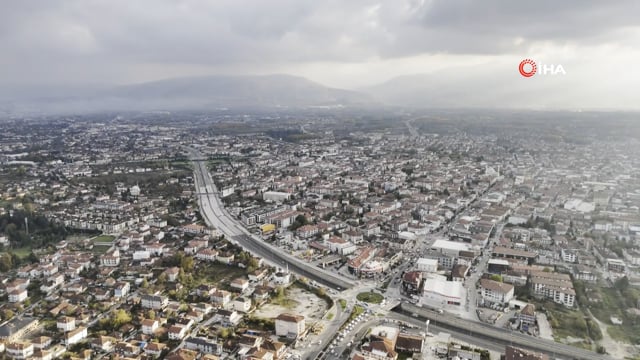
[446, 89]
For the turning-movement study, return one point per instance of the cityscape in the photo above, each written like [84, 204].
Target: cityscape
[319, 180]
[322, 239]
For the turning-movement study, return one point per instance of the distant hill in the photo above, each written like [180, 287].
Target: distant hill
[205, 92]
[269, 90]
[462, 88]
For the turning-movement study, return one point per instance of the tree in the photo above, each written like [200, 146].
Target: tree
[186, 263]
[119, 318]
[496, 277]
[151, 314]
[6, 263]
[162, 279]
[622, 284]
[8, 314]
[224, 333]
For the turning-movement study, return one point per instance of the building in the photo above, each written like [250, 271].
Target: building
[203, 345]
[121, 289]
[289, 325]
[19, 350]
[75, 336]
[282, 278]
[17, 327]
[18, 296]
[66, 324]
[427, 265]
[307, 231]
[584, 273]
[570, 256]
[177, 332]
[242, 304]
[495, 292]
[514, 254]
[150, 326]
[527, 315]
[240, 284]
[441, 293]
[275, 196]
[228, 318]
[616, 265]
[459, 272]
[155, 302]
[411, 282]
[409, 343]
[512, 353]
[554, 286]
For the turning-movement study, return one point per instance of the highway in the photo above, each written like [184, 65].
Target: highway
[214, 214]
[499, 336]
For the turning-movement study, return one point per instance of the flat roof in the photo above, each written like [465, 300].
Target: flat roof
[450, 289]
[499, 262]
[450, 245]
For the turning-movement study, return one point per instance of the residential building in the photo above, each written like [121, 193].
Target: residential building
[19, 350]
[290, 325]
[155, 302]
[495, 292]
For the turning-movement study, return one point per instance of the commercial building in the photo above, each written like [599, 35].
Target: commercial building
[441, 293]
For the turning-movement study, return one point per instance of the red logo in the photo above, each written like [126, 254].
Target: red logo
[526, 73]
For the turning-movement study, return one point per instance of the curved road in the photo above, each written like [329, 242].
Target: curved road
[215, 215]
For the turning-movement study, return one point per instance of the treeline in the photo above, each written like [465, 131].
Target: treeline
[42, 232]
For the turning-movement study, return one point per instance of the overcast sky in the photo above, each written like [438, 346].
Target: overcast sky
[341, 43]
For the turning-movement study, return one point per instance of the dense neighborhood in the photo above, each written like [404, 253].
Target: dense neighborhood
[106, 253]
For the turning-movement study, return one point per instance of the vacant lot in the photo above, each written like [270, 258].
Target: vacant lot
[297, 301]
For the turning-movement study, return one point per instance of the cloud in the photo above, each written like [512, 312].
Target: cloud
[128, 41]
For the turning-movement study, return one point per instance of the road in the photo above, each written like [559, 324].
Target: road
[214, 214]
[499, 336]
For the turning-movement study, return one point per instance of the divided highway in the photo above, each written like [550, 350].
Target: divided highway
[215, 215]
[499, 336]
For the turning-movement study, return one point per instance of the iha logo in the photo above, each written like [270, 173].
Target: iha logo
[528, 68]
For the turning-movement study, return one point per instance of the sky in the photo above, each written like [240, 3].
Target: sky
[348, 44]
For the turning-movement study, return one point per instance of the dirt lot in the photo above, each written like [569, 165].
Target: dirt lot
[305, 303]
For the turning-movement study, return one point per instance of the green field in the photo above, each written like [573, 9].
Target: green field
[370, 297]
[103, 239]
[22, 252]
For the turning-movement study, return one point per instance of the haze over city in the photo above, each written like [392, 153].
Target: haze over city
[410, 52]
[319, 180]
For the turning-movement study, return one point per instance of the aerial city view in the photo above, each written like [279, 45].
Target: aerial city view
[301, 180]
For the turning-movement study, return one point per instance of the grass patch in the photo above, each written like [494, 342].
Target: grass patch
[357, 310]
[103, 239]
[22, 252]
[370, 297]
[214, 273]
[100, 249]
[617, 333]
[343, 303]
[330, 316]
[570, 323]
[614, 302]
